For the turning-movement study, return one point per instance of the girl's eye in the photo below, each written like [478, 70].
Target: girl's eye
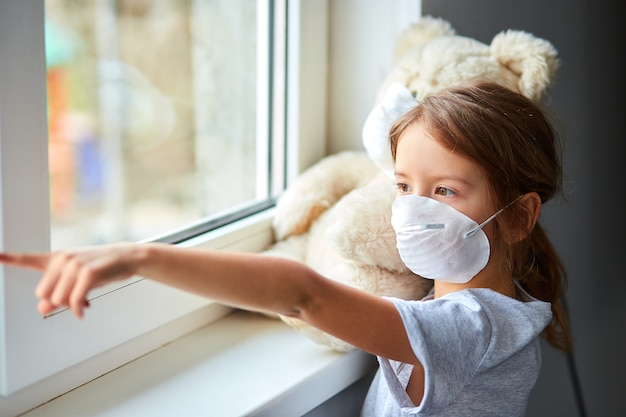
[444, 191]
[403, 188]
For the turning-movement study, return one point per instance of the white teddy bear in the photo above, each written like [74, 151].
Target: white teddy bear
[336, 216]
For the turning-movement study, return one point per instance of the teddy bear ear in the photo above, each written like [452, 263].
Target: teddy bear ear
[533, 60]
[423, 31]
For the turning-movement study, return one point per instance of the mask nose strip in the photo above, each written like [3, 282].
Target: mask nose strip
[422, 227]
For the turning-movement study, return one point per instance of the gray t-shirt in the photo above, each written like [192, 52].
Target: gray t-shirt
[480, 352]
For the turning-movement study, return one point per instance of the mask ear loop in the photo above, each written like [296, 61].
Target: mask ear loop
[493, 216]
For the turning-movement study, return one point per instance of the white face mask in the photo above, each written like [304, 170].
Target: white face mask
[438, 242]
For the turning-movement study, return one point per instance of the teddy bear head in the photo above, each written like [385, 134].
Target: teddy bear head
[430, 56]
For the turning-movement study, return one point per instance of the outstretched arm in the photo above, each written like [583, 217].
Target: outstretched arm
[251, 281]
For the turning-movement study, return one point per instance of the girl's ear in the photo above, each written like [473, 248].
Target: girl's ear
[531, 203]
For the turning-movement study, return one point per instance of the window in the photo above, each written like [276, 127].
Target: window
[157, 115]
[139, 315]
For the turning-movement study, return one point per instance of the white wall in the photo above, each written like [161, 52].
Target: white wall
[362, 36]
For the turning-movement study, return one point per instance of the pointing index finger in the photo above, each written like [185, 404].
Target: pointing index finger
[38, 261]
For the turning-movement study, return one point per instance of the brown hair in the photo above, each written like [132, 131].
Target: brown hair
[511, 139]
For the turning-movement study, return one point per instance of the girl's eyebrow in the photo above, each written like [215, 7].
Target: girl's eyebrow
[456, 178]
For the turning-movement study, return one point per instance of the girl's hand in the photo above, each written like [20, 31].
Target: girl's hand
[68, 276]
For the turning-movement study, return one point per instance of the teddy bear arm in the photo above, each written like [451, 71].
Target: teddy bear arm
[319, 188]
[359, 227]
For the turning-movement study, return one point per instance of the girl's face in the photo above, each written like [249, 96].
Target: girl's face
[426, 168]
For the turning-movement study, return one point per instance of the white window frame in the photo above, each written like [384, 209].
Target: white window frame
[42, 358]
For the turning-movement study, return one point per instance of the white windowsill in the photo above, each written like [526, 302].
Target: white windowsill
[245, 364]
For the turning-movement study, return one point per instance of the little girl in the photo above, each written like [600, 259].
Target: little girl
[473, 164]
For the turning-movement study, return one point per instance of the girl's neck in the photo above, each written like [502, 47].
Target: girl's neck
[502, 283]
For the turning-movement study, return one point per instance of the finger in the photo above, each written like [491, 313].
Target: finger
[50, 277]
[64, 285]
[45, 307]
[38, 261]
[78, 298]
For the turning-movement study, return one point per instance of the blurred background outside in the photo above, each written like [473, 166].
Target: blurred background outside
[152, 111]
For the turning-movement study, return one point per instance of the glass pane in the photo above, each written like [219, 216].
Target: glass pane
[152, 109]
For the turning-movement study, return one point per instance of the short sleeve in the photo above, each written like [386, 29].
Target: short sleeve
[450, 338]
